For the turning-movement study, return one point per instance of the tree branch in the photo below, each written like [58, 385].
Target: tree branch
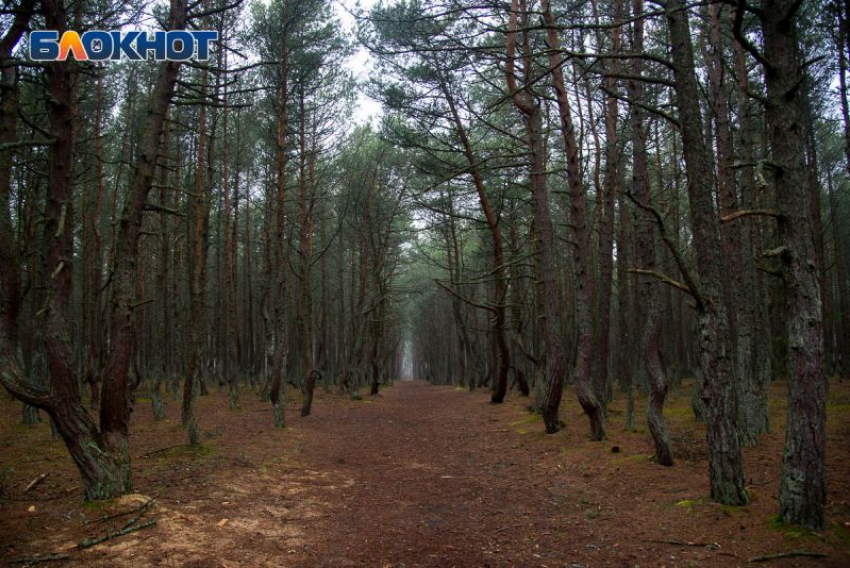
[749, 213]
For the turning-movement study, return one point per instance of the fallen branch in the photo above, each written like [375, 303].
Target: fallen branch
[712, 545]
[159, 451]
[792, 554]
[37, 559]
[36, 481]
[143, 507]
[141, 511]
[88, 543]
[315, 518]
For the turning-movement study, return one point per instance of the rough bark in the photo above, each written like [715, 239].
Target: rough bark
[578, 229]
[716, 366]
[531, 112]
[752, 308]
[841, 272]
[10, 273]
[503, 359]
[611, 187]
[276, 293]
[649, 292]
[802, 491]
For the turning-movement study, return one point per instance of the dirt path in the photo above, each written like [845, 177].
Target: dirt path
[417, 476]
[435, 480]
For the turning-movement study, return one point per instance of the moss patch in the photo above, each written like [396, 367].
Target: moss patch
[530, 419]
[839, 535]
[636, 458]
[834, 408]
[678, 412]
[734, 510]
[777, 523]
[689, 504]
[95, 506]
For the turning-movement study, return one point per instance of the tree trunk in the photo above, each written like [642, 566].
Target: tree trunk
[582, 367]
[199, 222]
[754, 345]
[276, 293]
[802, 490]
[503, 355]
[611, 187]
[716, 367]
[649, 293]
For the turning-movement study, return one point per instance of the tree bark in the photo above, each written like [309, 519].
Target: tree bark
[582, 368]
[649, 292]
[276, 293]
[716, 367]
[802, 489]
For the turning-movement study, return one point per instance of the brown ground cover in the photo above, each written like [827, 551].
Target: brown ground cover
[417, 476]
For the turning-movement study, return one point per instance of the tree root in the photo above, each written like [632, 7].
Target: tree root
[128, 528]
[141, 508]
[792, 554]
[89, 542]
[38, 559]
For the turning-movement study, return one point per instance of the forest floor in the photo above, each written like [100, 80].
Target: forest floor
[417, 476]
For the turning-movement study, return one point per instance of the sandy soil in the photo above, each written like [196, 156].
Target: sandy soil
[417, 476]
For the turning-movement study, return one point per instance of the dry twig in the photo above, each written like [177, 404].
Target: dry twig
[791, 554]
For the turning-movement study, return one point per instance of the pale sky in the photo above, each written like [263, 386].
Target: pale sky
[361, 62]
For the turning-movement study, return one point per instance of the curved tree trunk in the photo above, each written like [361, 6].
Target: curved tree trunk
[583, 362]
[503, 355]
[649, 292]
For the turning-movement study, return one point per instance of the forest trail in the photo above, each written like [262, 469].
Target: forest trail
[436, 477]
[419, 475]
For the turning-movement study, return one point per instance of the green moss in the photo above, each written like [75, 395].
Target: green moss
[678, 412]
[837, 408]
[689, 504]
[777, 523]
[530, 419]
[840, 535]
[733, 510]
[95, 506]
[636, 458]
